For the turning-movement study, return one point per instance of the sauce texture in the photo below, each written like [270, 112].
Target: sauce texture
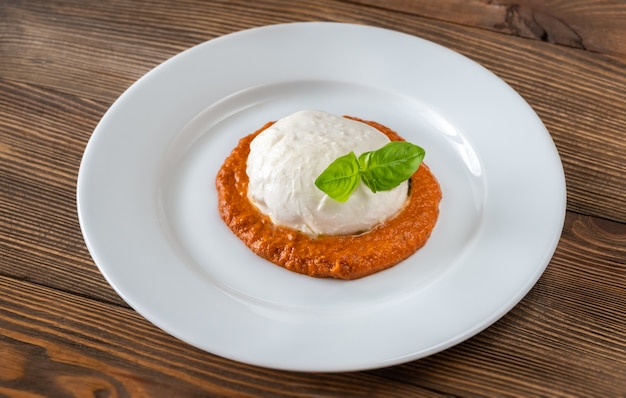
[338, 256]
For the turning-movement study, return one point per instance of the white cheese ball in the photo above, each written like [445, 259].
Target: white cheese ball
[286, 159]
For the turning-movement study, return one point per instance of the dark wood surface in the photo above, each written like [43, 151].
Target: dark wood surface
[64, 331]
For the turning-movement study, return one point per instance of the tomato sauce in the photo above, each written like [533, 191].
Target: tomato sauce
[341, 256]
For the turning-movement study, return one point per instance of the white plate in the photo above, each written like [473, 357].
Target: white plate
[147, 202]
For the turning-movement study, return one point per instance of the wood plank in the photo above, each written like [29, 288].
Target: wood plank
[118, 43]
[42, 138]
[595, 26]
[59, 344]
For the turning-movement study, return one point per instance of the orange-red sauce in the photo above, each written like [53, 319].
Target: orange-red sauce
[343, 256]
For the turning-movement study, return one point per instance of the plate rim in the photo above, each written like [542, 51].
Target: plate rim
[87, 230]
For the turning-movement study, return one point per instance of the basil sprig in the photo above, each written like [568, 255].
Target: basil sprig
[380, 170]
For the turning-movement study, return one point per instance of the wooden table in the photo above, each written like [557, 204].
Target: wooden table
[65, 332]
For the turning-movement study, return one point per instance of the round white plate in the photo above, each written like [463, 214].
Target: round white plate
[148, 210]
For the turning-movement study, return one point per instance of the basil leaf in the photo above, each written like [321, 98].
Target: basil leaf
[380, 170]
[389, 166]
[340, 178]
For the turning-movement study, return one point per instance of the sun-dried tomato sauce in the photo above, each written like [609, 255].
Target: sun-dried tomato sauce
[342, 256]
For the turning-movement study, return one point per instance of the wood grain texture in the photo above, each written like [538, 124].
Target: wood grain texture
[57, 344]
[554, 343]
[43, 135]
[65, 332]
[574, 91]
[45, 131]
[577, 311]
[595, 26]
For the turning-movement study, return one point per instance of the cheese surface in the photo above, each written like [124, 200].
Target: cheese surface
[286, 158]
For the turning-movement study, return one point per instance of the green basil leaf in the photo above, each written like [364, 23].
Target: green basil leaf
[340, 178]
[389, 166]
